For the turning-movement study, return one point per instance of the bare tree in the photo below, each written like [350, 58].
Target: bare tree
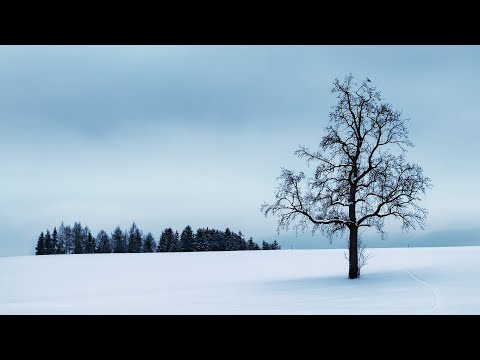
[360, 177]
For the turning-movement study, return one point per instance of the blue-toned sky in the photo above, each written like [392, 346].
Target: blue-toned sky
[177, 135]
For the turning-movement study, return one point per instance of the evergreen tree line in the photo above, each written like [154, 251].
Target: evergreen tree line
[78, 239]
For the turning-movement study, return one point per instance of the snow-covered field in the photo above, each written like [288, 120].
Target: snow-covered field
[396, 281]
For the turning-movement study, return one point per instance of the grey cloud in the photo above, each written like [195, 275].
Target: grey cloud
[168, 135]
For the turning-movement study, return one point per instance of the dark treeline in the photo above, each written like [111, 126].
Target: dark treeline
[78, 239]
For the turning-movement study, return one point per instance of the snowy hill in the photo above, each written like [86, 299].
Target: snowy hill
[396, 281]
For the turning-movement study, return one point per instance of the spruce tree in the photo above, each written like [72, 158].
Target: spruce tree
[265, 245]
[49, 248]
[149, 243]
[229, 241]
[200, 244]
[196, 240]
[118, 240]
[241, 241]
[40, 249]
[162, 243]
[250, 244]
[69, 241]
[55, 241]
[90, 244]
[243, 244]
[175, 242]
[167, 241]
[138, 240]
[104, 245]
[217, 241]
[275, 245]
[200, 240]
[237, 242]
[134, 239]
[187, 239]
[125, 240]
[78, 238]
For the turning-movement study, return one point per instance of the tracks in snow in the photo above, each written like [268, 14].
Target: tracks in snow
[432, 289]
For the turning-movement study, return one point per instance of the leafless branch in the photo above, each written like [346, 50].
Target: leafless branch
[360, 175]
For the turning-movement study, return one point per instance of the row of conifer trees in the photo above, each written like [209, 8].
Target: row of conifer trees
[78, 239]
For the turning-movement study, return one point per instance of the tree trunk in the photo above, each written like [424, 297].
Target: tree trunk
[353, 271]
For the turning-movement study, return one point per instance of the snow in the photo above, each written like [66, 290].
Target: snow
[395, 281]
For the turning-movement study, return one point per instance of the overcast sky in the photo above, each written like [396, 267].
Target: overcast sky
[177, 135]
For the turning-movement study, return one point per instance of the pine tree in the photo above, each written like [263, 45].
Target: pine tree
[90, 244]
[49, 249]
[187, 239]
[118, 240]
[104, 245]
[134, 239]
[78, 238]
[40, 249]
[149, 243]
[265, 245]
